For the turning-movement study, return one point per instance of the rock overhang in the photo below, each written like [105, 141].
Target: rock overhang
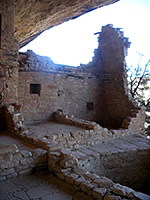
[34, 17]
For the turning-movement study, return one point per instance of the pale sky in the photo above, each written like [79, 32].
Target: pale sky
[73, 42]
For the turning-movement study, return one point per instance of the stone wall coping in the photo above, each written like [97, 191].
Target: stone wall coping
[8, 149]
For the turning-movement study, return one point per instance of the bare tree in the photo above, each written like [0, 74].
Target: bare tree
[138, 79]
[139, 86]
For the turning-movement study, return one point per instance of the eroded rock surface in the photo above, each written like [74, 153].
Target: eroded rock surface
[34, 17]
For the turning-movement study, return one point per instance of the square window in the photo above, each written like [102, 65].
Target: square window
[35, 89]
[90, 106]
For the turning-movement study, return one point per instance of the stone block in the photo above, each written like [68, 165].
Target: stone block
[87, 187]
[54, 155]
[2, 178]
[61, 176]
[12, 175]
[26, 153]
[68, 163]
[121, 190]
[111, 197]
[51, 164]
[79, 180]
[139, 196]
[8, 149]
[99, 193]
[65, 153]
[54, 147]
[103, 182]
[71, 178]
[80, 171]
[8, 171]
[25, 171]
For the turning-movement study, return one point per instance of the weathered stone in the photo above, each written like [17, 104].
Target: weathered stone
[2, 178]
[54, 13]
[139, 196]
[71, 178]
[53, 155]
[26, 154]
[25, 172]
[99, 193]
[79, 180]
[45, 87]
[121, 190]
[61, 176]
[87, 187]
[51, 163]
[12, 175]
[8, 149]
[103, 182]
[111, 197]
[8, 171]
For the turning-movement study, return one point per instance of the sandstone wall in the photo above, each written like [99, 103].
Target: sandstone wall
[8, 58]
[72, 90]
[109, 164]
[97, 91]
[15, 162]
[110, 60]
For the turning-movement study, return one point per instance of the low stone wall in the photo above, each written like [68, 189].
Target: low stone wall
[134, 121]
[14, 162]
[130, 168]
[65, 163]
[14, 118]
[65, 166]
[92, 134]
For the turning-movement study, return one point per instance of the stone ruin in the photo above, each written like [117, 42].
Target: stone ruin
[84, 124]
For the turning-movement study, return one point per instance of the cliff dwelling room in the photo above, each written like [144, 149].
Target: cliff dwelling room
[68, 133]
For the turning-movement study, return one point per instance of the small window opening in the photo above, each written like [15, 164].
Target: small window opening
[35, 89]
[60, 110]
[0, 29]
[90, 106]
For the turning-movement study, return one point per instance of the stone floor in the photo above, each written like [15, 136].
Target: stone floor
[39, 186]
[7, 139]
[130, 142]
[51, 128]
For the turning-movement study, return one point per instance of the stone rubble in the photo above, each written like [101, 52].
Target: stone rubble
[67, 162]
[34, 89]
[14, 162]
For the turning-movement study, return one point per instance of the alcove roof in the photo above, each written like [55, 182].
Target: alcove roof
[32, 17]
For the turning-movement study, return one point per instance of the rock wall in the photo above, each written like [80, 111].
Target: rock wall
[97, 91]
[110, 61]
[71, 90]
[64, 165]
[109, 164]
[34, 17]
[15, 162]
[8, 58]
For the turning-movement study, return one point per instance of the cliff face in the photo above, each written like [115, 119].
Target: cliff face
[32, 17]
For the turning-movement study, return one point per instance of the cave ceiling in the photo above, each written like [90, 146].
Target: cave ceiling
[32, 17]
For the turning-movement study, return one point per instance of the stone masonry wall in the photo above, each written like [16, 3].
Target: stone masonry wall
[110, 60]
[109, 164]
[67, 158]
[97, 91]
[15, 162]
[8, 58]
[68, 89]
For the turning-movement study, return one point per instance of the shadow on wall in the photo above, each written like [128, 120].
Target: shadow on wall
[2, 119]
